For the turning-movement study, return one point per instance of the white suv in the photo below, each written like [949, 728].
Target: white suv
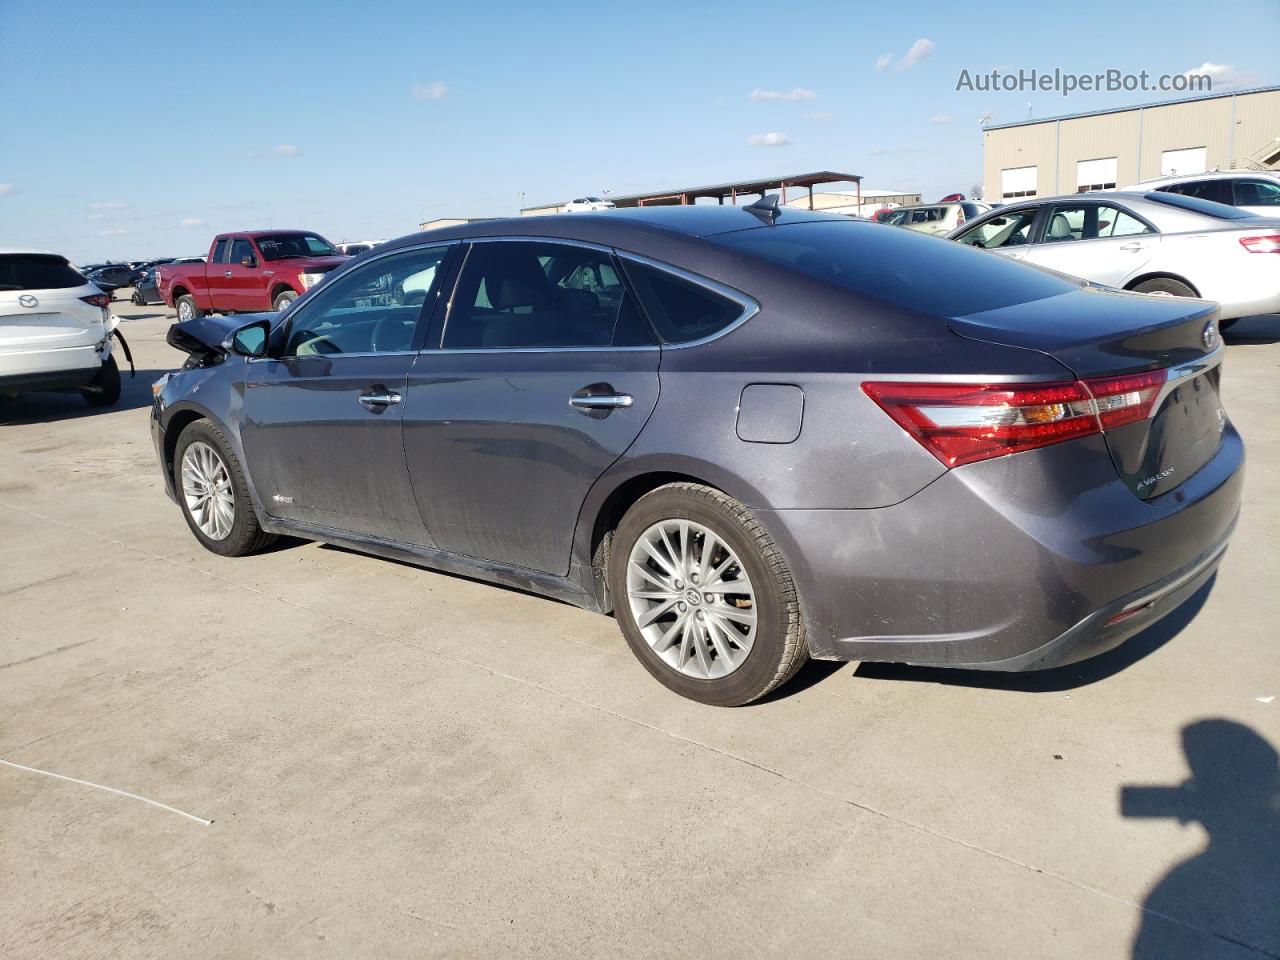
[55, 329]
[1252, 191]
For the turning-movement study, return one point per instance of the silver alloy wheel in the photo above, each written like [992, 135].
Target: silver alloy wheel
[206, 485]
[691, 599]
[185, 312]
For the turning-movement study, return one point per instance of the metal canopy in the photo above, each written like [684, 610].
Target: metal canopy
[731, 191]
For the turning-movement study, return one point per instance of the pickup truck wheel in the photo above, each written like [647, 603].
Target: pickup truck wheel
[187, 309]
[283, 299]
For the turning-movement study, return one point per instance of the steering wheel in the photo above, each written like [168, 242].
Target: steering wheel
[316, 344]
[389, 334]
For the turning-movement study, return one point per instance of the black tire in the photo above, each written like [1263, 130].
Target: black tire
[283, 299]
[137, 299]
[1174, 288]
[190, 301]
[779, 648]
[104, 388]
[245, 536]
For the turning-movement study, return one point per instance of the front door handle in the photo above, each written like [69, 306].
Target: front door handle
[1133, 247]
[379, 401]
[610, 401]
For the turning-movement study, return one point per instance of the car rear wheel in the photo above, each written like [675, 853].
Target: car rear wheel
[104, 389]
[1166, 286]
[704, 597]
[283, 299]
[213, 493]
[137, 299]
[187, 309]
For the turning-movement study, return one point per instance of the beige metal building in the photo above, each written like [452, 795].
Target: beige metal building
[1107, 149]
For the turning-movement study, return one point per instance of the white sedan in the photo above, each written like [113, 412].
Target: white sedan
[587, 204]
[1145, 242]
[55, 329]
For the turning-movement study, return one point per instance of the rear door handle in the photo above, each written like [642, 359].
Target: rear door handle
[379, 401]
[227, 273]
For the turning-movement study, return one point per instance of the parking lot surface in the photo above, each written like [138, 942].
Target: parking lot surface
[399, 763]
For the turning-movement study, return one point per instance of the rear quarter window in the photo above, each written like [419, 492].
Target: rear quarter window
[30, 271]
[902, 267]
[680, 310]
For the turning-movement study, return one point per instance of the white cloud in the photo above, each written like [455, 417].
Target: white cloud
[191, 222]
[883, 61]
[112, 233]
[429, 91]
[1224, 76]
[286, 150]
[919, 50]
[769, 140]
[798, 93]
[820, 115]
[6, 188]
[939, 118]
[108, 205]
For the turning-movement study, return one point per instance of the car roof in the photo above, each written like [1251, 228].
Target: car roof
[619, 225]
[1210, 175]
[28, 250]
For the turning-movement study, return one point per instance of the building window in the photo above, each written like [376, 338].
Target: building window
[1099, 174]
[1182, 162]
[1018, 182]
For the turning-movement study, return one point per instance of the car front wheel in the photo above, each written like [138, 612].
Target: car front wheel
[213, 492]
[704, 597]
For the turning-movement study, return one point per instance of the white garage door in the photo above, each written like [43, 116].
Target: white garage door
[1182, 162]
[1096, 175]
[1018, 182]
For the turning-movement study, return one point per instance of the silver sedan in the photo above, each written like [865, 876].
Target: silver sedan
[1146, 242]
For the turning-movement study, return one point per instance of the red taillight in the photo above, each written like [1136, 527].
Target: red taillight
[98, 300]
[1267, 244]
[1126, 399]
[962, 423]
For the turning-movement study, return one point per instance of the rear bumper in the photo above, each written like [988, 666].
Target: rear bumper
[31, 363]
[1010, 564]
[48, 380]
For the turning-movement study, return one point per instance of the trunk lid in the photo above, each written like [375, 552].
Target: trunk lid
[1099, 333]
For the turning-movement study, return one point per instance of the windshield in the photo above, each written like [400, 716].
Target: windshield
[1210, 209]
[903, 267]
[281, 246]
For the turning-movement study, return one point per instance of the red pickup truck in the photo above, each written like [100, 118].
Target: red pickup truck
[248, 272]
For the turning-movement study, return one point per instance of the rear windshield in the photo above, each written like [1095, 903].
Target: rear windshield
[36, 271]
[903, 267]
[1196, 205]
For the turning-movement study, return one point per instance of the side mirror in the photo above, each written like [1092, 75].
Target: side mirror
[251, 339]
[248, 262]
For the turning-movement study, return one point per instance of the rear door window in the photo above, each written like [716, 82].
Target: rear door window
[220, 250]
[533, 295]
[37, 271]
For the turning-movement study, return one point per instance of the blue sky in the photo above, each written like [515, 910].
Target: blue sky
[123, 123]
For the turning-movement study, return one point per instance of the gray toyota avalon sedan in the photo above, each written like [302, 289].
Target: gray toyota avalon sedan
[754, 436]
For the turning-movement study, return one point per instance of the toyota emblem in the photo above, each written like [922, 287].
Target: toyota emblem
[1209, 334]
[27, 300]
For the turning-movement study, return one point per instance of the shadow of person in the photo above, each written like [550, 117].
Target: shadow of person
[1225, 901]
